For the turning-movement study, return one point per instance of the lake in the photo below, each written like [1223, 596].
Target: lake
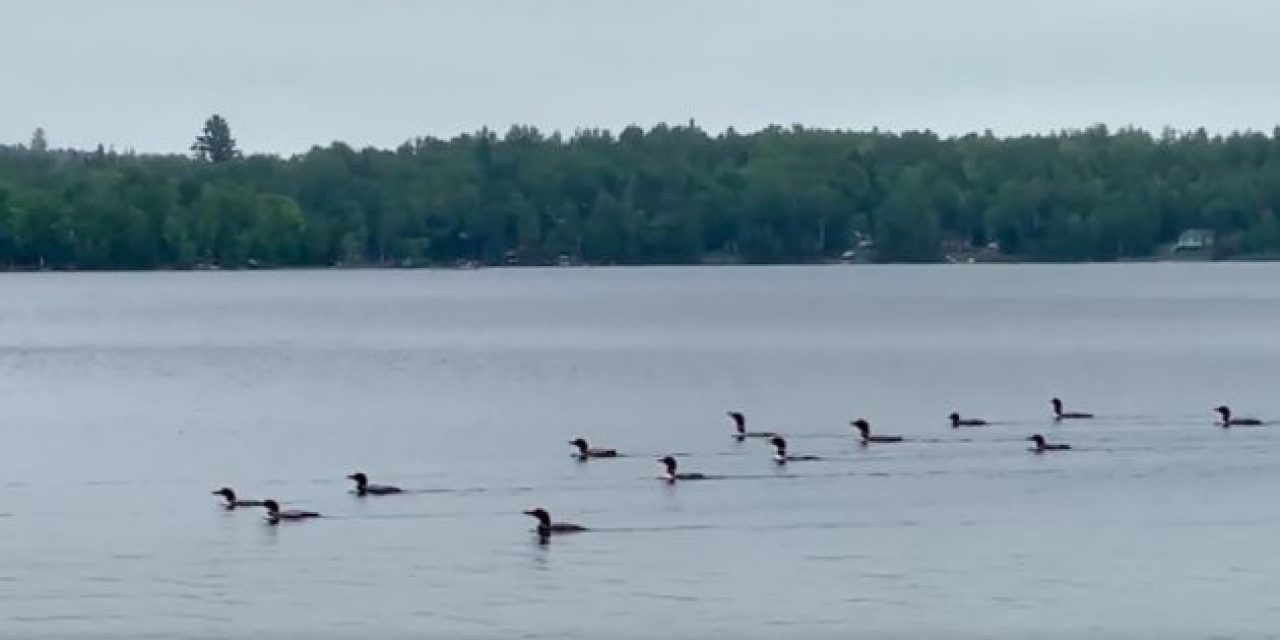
[129, 397]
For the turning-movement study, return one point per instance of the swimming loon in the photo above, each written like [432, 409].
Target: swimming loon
[740, 428]
[363, 487]
[1042, 446]
[670, 474]
[1058, 413]
[274, 514]
[547, 528]
[585, 451]
[1228, 421]
[864, 428]
[230, 501]
[957, 421]
[780, 454]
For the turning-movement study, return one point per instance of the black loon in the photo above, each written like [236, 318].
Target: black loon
[780, 452]
[957, 421]
[864, 428]
[1059, 414]
[547, 528]
[740, 428]
[363, 488]
[585, 451]
[274, 514]
[1228, 421]
[230, 501]
[1042, 446]
[670, 475]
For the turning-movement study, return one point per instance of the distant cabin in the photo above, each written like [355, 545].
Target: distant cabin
[1194, 240]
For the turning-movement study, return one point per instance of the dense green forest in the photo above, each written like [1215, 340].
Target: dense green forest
[671, 194]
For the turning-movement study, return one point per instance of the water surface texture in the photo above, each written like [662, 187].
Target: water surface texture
[129, 397]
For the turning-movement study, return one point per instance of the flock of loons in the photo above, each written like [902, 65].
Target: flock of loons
[584, 451]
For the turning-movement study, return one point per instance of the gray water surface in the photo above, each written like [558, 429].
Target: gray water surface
[127, 398]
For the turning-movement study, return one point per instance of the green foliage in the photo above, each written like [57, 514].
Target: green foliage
[672, 194]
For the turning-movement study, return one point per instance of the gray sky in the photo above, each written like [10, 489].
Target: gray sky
[291, 73]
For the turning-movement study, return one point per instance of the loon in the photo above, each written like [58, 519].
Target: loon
[1228, 421]
[547, 528]
[957, 421]
[585, 451]
[740, 428]
[1042, 446]
[864, 428]
[1058, 414]
[670, 474]
[780, 455]
[274, 514]
[230, 501]
[363, 488]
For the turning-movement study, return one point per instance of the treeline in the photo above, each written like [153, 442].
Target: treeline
[671, 194]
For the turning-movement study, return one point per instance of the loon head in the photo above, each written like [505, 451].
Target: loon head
[739, 421]
[580, 443]
[1225, 411]
[862, 426]
[955, 419]
[1038, 439]
[271, 506]
[780, 444]
[1057, 406]
[227, 494]
[544, 518]
[360, 478]
[669, 463]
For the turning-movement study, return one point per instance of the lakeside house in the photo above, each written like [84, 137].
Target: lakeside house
[1193, 240]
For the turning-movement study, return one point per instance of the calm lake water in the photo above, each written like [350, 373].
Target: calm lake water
[129, 397]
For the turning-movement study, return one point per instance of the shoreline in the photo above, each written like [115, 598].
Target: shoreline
[673, 265]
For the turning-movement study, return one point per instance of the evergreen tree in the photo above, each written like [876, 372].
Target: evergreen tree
[39, 143]
[215, 144]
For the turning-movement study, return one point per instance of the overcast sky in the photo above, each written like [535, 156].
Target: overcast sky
[287, 74]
